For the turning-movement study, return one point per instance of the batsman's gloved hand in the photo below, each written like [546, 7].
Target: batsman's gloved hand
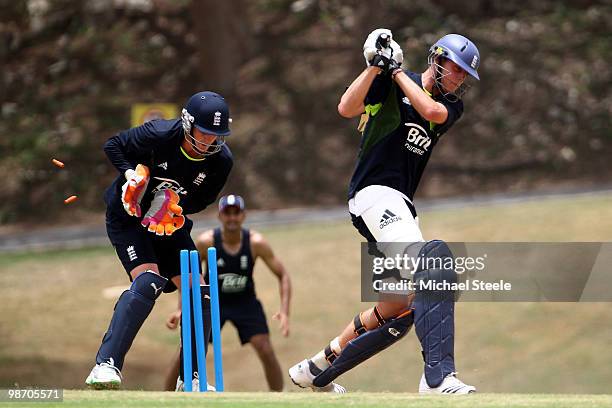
[134, 188]
[380, 50]
[165, 215]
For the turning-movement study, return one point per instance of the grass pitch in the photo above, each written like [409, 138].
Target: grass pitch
[86, 399]
[56, 306]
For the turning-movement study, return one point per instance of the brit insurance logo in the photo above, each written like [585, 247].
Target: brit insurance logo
[388, 218]
[166, 183]
[417, 140]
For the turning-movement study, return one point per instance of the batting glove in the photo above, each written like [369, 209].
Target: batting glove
[380, 50]
[134, 188]
[165, 215]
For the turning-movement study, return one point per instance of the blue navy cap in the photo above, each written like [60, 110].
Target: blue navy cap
[231, 200]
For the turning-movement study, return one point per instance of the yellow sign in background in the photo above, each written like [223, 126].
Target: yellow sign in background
[144, 112]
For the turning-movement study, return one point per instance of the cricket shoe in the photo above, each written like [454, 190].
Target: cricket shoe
[195, 385]
[450, 385]
[104, 376]
[303, 373]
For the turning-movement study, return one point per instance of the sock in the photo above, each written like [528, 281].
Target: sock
[335, 345]
[319, 359]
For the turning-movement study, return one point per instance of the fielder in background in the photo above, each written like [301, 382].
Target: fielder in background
[237, 251]
[167, 169]
[404, 116]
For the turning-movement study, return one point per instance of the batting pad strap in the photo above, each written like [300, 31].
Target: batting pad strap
[363, 347]
[330, 355]
[358, 324]
[379, 317]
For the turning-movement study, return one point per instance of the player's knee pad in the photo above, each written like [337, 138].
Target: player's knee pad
[367, 344]
[131, 310]
[149, 284]
[434, 309]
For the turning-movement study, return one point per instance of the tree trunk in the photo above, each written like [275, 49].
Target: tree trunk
[223, 41]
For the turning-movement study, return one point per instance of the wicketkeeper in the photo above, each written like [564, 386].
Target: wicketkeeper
[404, 116]
[167, 170]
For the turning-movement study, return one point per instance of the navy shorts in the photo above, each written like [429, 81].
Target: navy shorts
[246, 315]
[135, 245]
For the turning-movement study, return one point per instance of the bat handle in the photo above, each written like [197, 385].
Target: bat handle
[383, 41]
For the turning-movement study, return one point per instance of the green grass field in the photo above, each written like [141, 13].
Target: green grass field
[56, 307]
[87, 399]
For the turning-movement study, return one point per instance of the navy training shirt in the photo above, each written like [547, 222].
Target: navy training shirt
[157, 144]
[235, 271]
[397, 141]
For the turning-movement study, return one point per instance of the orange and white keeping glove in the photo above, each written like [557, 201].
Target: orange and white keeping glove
[134, 188]
[165, 215]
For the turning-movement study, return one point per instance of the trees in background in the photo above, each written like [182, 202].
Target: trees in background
[71, 70]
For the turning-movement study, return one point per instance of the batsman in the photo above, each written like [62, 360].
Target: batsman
[404, 115]
[168, 169]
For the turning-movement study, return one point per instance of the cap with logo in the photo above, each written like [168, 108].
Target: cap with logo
[231, 200]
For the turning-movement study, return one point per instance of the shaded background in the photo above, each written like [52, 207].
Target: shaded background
[539, 118]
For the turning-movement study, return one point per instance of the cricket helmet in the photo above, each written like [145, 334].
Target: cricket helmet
[208, 112]
[458, 49]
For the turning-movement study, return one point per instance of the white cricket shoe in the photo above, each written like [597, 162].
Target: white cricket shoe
[450, 385]
[302, 376]
[104, 376]
[195, 385]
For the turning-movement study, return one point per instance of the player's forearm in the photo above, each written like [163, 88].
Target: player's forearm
[129, 147]
[428, 108]
[352, 101]
[116, 155]
[285, 293]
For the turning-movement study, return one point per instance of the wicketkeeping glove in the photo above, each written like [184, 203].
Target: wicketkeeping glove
[165, 215]
[134, 188]
[380, 50]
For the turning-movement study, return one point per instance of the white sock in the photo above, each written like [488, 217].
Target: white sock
[319, 359]
[335, 346]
